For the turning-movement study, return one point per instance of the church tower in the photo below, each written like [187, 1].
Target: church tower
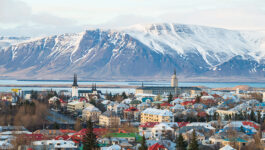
[75, 87]
[174, 80]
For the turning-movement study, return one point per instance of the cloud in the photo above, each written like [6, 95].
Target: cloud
[234, 18]
[127, 20]
[18, 12]
[14, 11]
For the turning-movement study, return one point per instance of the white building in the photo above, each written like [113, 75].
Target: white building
[75, 87]
[54, 144]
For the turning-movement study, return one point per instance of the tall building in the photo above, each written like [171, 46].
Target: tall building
[174, 89]
[263, 97]
[174, 80]
[75, 87]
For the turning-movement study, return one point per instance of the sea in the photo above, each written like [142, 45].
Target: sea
[116, 90]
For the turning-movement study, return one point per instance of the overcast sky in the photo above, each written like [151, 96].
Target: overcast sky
[46, 17]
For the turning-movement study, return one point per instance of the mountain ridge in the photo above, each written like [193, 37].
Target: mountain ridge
[151, 51]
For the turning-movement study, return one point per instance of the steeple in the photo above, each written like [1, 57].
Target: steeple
[75, 80]
[174, 80]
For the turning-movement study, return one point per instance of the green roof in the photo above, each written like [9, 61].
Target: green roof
[236, 140]
[137, 137]
[157, 102]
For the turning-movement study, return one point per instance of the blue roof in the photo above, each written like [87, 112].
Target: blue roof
[147, 98]
[236, 140]
[261, 104]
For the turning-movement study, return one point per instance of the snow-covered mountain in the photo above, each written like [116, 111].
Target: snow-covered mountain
[7, 41]
[140, 52]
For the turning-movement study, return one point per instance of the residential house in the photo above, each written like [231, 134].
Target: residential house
[156, 115]
[91, 112]
[109, 119]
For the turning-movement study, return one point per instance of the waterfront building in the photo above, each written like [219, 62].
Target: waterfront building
[174, 89]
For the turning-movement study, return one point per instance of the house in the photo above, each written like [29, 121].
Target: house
[223, 113]
[117, 108]
[147, 99]
[78, 136]
[161, 131]
[131, 114]
[176, 101]
[54, 144]
[91, 112]
[109, 119]
[156, 115]
[239, 142]
[227, 147]
[49, 133]
[130, 137]
[77, 106]
[134, 103]
[165, 105]
[112, 147]
[188, 135]
[146, 129]
[143, 106]
[177, 108]
[157, 146]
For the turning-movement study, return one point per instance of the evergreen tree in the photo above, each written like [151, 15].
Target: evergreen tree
[215, 116]
[252, 116]
[259, 117]
[226, 117]
[124, 96]
[143, 145]
[194, 143]
[90, 139]
[170, 98]
[242, 129]
[56, 125]
[181, 144]
[197, 99]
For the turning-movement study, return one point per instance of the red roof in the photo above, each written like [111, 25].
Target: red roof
[83, 99]
[149, 124]
[201, 114]
[216, 96]
[97, 131]
[250, 124]
[156, 146]
[66, 131]
[131, 109]
[188, 103]
[182, 124]
[61, 101]
[166, 104]
[34, 137]
[62, 137]
[204, 93]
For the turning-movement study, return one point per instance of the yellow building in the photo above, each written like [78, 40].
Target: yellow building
[109, 119]
[223, 113]
[156, 115]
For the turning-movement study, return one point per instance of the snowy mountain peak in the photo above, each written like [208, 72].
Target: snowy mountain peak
[140, 51]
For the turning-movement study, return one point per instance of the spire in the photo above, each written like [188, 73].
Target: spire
[142, 84]
[175, 72]
[75, 80]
